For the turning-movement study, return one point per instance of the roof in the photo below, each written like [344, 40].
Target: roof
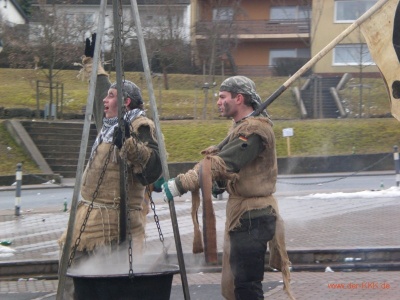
[19, 9]
[125, 2]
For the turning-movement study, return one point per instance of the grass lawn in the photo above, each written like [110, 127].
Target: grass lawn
[185, 139]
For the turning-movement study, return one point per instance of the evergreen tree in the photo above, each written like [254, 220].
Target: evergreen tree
[26, 6]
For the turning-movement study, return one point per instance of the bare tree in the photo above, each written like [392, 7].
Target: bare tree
[52, 43]
[130, 48]
[166, 41]
[309, 13]
[308, 10]
[361, 59]
[219, 42]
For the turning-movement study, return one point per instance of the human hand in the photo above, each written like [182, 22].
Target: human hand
[157, 186]
[89, 47]
[87, 61]
[118, 139]
[170, 190]
[218, 187]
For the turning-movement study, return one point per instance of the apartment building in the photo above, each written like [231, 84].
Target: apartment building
[264, 36]
[329, 19]
[251, 37]
[257, 33]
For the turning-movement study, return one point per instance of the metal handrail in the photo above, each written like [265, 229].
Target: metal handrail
[299, 26]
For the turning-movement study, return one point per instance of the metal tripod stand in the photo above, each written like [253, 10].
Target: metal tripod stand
[117, 6]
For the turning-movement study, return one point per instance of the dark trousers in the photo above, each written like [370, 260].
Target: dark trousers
[248, 248]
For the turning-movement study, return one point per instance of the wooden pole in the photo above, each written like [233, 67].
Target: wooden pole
[163, 156]
[122, 163]
[82, 155]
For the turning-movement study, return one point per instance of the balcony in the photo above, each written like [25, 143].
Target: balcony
[299, 27]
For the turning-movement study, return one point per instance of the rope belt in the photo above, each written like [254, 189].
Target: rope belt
[256, 213]
[114, 206]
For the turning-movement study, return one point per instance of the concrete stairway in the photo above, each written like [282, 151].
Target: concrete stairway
[59, 143]
[326, 106]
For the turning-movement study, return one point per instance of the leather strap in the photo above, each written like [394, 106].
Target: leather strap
[209, 222]
[197, 239]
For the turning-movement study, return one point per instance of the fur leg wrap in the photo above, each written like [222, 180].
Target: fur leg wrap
[87, 66]
[136, 153]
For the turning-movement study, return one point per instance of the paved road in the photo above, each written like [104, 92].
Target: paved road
[41, 196]
[305, 286]
[351, 220]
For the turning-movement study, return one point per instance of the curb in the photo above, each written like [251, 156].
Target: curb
[314, 260]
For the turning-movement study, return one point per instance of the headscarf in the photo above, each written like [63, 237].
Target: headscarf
[242, 85]
[131, 91]
[109, 124]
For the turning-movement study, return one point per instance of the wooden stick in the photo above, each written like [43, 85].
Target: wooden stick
[82, 155]
[161, 145]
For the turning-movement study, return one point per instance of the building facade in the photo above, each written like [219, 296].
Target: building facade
[154, 15]
[351, 55]
[276, 37]
[257, 33]
[249, 37]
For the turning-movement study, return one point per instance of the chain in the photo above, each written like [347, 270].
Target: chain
[135, 139]
[129, 223]
[157, 221]
[340, 178]
[94, 196]
[152, 204]
[120, 14]
[123, 113]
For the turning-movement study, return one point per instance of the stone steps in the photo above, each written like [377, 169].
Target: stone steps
[329, 108]
[59, 142]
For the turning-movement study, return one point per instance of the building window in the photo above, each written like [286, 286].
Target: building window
[349, 11]
[70, 17]
[289, 12]
[352, 55]
[279, 53]
[88, 18]
[81, 18]
[223, 14]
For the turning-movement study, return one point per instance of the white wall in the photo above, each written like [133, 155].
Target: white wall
[9, 13]
[144, 12]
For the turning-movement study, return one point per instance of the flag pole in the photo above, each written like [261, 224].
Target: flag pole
[65, 257]
[162, 149]
[320, 54]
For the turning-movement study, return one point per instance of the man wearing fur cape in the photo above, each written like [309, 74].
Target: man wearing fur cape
[99, 205]
[246, 163]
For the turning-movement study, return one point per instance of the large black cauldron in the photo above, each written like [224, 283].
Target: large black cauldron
[152, 285]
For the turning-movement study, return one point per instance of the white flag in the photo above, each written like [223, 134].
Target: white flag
[382, 34]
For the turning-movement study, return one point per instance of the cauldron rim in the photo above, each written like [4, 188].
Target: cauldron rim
[169, 269]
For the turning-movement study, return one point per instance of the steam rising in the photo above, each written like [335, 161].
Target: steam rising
[105, 262]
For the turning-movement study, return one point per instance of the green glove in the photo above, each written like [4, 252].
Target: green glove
[170, 190]
[117, 136]
[157, 186]
[217, 189]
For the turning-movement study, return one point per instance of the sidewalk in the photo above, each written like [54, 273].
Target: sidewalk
[314, 225]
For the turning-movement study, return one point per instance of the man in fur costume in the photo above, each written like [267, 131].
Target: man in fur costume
[246, 162]
[100, 190]
[140, 150]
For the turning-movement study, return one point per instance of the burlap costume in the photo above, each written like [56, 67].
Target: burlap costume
[102, 225]
[102, 228]
[249, 189]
